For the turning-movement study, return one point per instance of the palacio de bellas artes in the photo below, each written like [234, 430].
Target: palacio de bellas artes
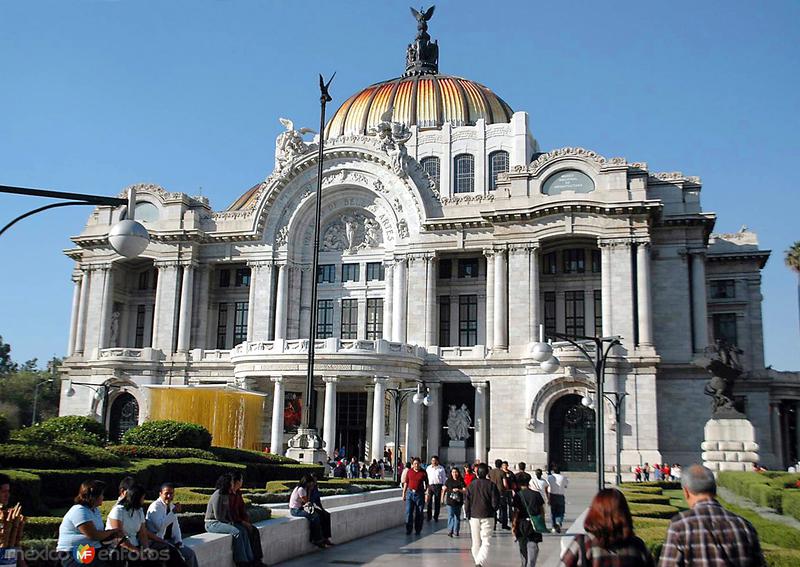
[451, 242]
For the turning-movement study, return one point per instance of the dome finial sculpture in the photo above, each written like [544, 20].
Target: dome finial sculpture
[422, 56]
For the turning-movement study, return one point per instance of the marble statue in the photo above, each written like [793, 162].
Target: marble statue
[392, 137]
[725, 368]
[114, 329]
[289, 145]
[458, 423]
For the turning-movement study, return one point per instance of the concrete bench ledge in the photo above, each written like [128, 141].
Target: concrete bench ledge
[335, 501]
[285, 537]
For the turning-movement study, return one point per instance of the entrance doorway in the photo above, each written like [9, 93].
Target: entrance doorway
[124, 416]
[572, 435]
[351, 423]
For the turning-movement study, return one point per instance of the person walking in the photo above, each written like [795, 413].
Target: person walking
[677, 472]
[707, 534]
[609, 540]
[498, 477]
[509, 488]
[481, 501]
[453, 495]
[437, 476]
[415, 487]
[557, 483]
[646, 472]
[528, 520]
[540, 484]
[469, 476]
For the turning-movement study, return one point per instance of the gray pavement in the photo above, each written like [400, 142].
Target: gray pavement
[434, 549]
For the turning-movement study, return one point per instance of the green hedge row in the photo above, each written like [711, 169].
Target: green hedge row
[790, 502]
[653, 510]
[638, 498]
[168, 433]
[58, 454]
[764, 489]
[246, 456]
[147, 452]
[662, 484]
[26, 489]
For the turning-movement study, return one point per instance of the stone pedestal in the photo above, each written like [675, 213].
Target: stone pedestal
[306, 447]
[457, 452]
[730, 445]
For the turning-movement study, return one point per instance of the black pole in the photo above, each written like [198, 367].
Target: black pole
[618, 411]
[397, 406]
[308, 416]
[600, 377]
[88, 199]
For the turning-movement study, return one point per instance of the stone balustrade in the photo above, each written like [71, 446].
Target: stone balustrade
[325, 346]
[477, 352]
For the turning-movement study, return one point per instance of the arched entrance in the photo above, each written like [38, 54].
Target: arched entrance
[124, 416]
[572, 434]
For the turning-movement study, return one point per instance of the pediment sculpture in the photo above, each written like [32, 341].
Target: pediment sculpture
[352, 232]
[392, 137]
[289, 145]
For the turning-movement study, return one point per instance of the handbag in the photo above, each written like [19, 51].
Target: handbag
[537, 521]
[310, 508]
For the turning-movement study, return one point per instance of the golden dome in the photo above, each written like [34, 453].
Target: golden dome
[427, 101]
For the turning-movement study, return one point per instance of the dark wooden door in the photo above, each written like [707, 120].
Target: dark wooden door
[572, 435]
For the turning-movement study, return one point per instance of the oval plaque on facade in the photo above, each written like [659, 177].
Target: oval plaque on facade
[570, 180]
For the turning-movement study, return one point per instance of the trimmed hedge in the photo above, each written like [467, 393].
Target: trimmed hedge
[168, 433]
[5, 428]
[653, 510]
[41, 527]
[146, 452]
[663, 484]
[769, 532]
[20, 455]
[66, 428]
[641, 490]
[232, 455]
[632, 497]
[790, 503]
[25, 489]
[762, 488]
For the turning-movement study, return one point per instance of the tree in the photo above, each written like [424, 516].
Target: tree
[6, 365]
[793, 261]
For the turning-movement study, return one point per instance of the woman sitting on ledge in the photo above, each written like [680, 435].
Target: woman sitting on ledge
[219, 521]
[82, 527]
[301, 506]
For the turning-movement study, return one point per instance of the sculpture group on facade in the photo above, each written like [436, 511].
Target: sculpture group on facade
[392, 137]
[289, 145]
[458, 423]
[352, 232]
[725, 368]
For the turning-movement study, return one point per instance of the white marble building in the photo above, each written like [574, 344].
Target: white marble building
[448, 237]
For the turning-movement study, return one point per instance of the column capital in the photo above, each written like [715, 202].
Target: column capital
[523, 247]
[99, 267]
[258, 264]
[380, 380]
[698, 252]
[433, 385]
[189, 264]
[277, 379]
[480, 386]
[330, 379]
[615, 242]
[163, 264]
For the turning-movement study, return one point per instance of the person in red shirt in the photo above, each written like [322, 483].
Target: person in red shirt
[415, 494]
[241, 519]
[469, 476]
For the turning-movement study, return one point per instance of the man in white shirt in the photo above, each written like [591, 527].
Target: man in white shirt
[162, 520]
[437, 476]
[558, 489]
[539, 483]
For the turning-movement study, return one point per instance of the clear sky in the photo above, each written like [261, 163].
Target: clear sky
[97, 94]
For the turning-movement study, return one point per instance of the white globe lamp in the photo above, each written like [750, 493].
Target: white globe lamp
[541, 351]
[550, 365]
[128, 238]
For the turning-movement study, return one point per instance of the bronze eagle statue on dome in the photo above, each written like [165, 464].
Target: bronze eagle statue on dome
[422, 56]
[423, 16]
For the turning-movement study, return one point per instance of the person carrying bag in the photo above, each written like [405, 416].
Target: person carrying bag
[528, 523]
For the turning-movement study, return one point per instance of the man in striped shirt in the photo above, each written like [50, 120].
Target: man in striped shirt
[707, 534]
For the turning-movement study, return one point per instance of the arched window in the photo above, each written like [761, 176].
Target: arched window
[464, 170]
[498, 163]
[431, 166]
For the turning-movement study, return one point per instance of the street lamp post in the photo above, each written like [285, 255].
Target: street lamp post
[419, 395]
[615, 399]
[128, 237]
[542, 352]
[36, 397]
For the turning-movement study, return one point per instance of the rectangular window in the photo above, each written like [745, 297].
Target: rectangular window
[549, 265]
[597, 262]
[349, 319]
[375, 271]
[723, 289]
[143, 279]
[549, 312]
[467, 320]
[240, 322]
[575, 310]
[725, 327]
[574, 261]
[598, 313]
[222, 325]
[242, 277]
[140, 314]
[374, 318]
[324, 318]
[445, 269]
[326, 273]
[444, 320]
[350, 272]
[224, 278]
[468, 268]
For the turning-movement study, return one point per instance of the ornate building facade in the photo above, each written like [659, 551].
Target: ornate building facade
[448, 237]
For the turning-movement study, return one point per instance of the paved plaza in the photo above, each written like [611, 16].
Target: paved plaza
[434, 549]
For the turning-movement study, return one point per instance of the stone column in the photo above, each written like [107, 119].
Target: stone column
[200, 306]
[251, 303]
[185, 318]
[280, 302]
[489, 299]
[605, 286]
[388, 299]
[588, 302]
[699, 305]
[166, 306]
[260, 309]
[76, 307]
[535, 302]
[329, 423]
[106, 307]
[434, 419]
[378, 434]
[399, 303]
[276, 441]
[643, 294]
[413, 433]
[777, 433]
[431, 319]
[500, 300]
[480, 423]
[370, 408]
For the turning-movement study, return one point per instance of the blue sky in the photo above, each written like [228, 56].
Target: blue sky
[97, 95]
